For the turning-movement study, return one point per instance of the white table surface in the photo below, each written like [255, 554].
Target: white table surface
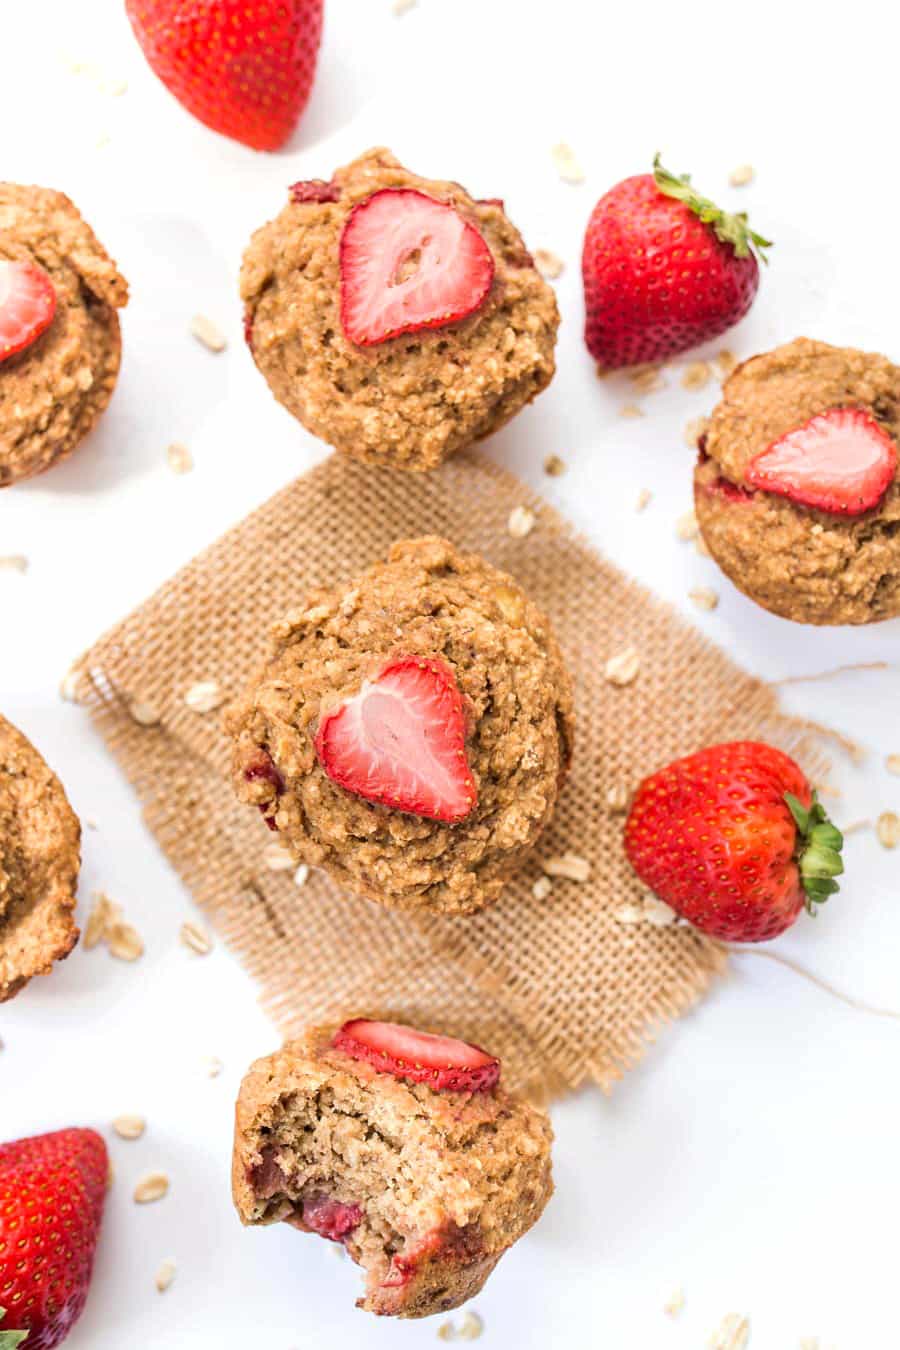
[752, 1158]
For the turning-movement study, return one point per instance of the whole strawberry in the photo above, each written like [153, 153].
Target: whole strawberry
[243, 67]
[734, 840]
[52, 1192]
[664, 270]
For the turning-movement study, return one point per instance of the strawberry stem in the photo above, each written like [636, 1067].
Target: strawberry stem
[818, 853]
[729, 226]
[10, 1339]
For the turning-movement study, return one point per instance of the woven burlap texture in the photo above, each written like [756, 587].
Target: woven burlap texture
[560, 987]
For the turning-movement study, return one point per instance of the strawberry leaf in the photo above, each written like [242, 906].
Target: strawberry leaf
[10, 1339]
[730, 227]
[818, 852]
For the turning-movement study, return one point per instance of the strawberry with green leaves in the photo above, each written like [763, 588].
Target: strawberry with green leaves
[664, 270]
[52, 1193]
[734, 840]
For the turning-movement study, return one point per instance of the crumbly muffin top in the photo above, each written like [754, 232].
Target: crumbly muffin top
[425, 600]
[51, 392]
[413, 399]
[39, 859]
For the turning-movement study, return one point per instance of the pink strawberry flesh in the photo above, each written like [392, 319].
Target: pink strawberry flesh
[409, 262]
[330, 1218]
[401, 741]
[445, 1064]
[27, 305]
[840, 461]
[314, 190]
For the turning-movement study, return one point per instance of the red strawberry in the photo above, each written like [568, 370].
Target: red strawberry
[27, 305]
[401, 741]
[52, 1192]
[445, 1064]
[734, 840]
[329, 1218]
[664, 269]
[409, 262]
[841, 461]
[243, 67]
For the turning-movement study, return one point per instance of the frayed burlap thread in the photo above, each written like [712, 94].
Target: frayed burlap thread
[559, 987]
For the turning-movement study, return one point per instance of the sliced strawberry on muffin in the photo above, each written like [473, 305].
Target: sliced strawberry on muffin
[27, 305]
[796, 488]
[425, 1180]
[397, 317]
[410, 730]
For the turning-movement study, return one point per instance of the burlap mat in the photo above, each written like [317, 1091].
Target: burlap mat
[560, 987]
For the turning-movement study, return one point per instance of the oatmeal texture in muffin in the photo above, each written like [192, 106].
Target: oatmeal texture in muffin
[409, 401]
[53, 391]
[426, 600]
[803, 564]
[426, 1190]
[39, 860]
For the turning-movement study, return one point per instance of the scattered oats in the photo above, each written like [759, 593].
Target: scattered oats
[110, 1174]
[887, 827]
[696, 375]
[631, 410]
[205, 331]
[554, 467]
[646, 379]
[117, 88]
[617, 797]
[675, 1303]
[14, 562]
[69, 686]
[180, 458]
[151, 1187]
[622, 668]
[301, 876]
[645, 496]
[521, 522]
[103, 913]
[165, 1275]
[401, 6]
[703, 597]
[548, 264]
[566, 164]
[214, 1067]
[446, 1332]
[696, 427]
[567, 865]
[657, 913]
[142, 713]
[277, 858]
[855, 826]
[129, 1127]
[686, 526]
[205, 696]
[725, 362]
[471, 1328]
[809, 1343]
[629, 913]
[124, 941]
[542, 888]
[892, 763]
[742, 175]
[195, 938]
[733, 1333]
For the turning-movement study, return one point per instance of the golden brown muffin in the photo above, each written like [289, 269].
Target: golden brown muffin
[412, 400]
[426, 601]
[39, 860]
[804, 564]
[53, 391]
[425, 1189]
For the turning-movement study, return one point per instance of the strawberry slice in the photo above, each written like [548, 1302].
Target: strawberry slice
[409, 262]
[330, 1218]
[27, 305]
[401, 741]
[445, 1064]
[841, 461]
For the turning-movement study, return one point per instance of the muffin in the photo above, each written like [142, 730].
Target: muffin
[59, 331]
[409, 731]
[401, 1146]
[395, 316]
[39, 859]
[797, 490]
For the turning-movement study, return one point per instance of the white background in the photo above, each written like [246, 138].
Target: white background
[752, 1158]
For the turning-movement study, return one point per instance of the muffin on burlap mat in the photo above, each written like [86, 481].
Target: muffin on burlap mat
[556, 976]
